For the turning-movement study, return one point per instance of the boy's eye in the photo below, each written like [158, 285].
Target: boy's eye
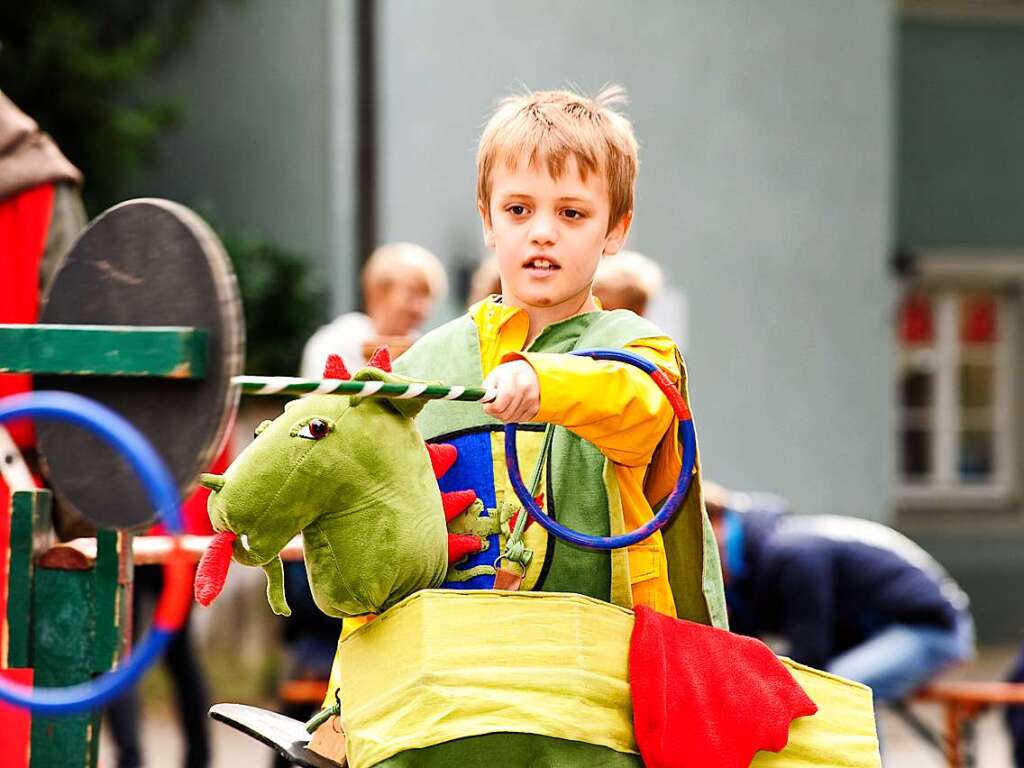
[516, 210]
[572, 213]
[315, 429]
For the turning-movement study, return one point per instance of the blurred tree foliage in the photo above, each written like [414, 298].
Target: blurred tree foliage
[283, 302]
[80, 69]
[71, 65]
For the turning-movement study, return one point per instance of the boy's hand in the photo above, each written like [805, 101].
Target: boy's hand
[518, 397]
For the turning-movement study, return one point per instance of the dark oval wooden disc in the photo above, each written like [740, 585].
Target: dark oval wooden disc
[144, 262]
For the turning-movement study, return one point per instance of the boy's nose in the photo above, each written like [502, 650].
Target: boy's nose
[543, 231]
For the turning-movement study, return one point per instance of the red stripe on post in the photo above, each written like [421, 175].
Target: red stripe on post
[674, 397]
[176, 598]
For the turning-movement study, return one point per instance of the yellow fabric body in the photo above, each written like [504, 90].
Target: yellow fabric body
[446, 664]
[615, 406]
[841, 734]
[433, 669]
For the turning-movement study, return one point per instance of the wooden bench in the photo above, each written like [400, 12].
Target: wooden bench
[963, 702]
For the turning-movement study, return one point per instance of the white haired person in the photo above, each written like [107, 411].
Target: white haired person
[401, 282]
[627, 280]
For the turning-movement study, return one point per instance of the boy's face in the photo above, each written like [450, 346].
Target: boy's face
[549, 235]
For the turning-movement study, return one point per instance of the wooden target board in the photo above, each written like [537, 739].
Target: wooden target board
[144, 263]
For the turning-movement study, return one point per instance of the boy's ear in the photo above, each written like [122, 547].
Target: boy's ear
[616, 237]
[409, 408]
[485, 220]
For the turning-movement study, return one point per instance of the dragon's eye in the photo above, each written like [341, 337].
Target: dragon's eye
[260, 427]
[315, 429]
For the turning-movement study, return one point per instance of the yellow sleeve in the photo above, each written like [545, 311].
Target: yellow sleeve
[615, 406]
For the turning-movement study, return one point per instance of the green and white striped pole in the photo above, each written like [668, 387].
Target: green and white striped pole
[287, 385]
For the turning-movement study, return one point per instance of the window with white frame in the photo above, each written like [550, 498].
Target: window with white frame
[955, 386]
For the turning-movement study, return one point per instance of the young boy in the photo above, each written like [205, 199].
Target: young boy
[556, 174]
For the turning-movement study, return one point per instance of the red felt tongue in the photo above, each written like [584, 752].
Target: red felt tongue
[213, 568]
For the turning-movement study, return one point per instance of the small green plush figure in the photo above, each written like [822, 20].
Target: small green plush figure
[355, 478]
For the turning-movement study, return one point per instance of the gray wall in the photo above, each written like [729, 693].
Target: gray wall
[267, 142]
[961, 122]
[764, 191]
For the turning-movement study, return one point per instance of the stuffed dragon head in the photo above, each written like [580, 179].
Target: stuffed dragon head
[355, 478]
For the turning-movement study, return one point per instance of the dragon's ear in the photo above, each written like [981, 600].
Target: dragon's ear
[409, 408]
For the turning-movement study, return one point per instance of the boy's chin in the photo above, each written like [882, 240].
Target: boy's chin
[549, 300]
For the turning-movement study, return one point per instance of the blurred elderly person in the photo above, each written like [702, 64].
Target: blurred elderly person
[627, 280]
[401, 283]
[485, 281]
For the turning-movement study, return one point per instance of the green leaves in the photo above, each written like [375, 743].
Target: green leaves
[76, 68]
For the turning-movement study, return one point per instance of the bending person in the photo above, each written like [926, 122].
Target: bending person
[847, 595]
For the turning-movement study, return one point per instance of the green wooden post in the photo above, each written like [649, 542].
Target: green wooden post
[113, 598]
[63, 653]
[30, 525]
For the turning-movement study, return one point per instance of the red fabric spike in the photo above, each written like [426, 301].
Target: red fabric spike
[462, 544]
[681, 673]
[456, 502]
[212, 571]
[335, 369]
[442, 456]
[381, 358]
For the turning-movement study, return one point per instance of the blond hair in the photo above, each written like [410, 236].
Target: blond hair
[550, 126]
[633, 269]
[627, 280]
[387, 259]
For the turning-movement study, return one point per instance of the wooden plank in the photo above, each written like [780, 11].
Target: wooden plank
[63, 636]
[30, 525]
[153, 550]
[177, 352]
[302, 692]
[969, 692]
[65, 558]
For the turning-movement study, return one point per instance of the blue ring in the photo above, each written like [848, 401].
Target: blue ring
[162, 491]
[687, 437]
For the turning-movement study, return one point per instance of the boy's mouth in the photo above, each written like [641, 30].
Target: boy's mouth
[541, 264]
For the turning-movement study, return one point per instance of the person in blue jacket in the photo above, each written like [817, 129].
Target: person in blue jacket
[847, 595]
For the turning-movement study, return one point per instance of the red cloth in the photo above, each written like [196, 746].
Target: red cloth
[17, 724]
[24, 221]
[5, 553]
[706, 698]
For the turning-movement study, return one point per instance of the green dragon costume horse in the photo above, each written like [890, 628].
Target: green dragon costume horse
[354, 477]
[447, 677]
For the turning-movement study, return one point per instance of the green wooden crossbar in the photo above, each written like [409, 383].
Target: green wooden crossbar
[177, 352]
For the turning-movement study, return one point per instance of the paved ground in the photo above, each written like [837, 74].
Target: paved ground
[903, 749]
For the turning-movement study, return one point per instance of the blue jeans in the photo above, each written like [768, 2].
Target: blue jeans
[903, 657]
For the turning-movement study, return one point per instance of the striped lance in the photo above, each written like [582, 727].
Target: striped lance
[287, 385]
